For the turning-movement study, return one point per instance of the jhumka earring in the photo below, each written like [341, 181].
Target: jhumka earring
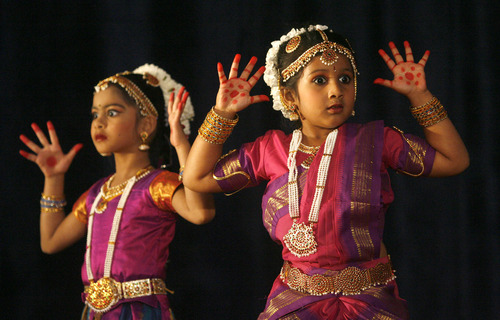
[295, 115]
[144, 146]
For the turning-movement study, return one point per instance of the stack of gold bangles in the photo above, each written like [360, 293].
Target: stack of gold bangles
[216, 129]
[429, 113]
[52, 204]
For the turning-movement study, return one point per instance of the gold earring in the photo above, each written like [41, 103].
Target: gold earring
[144, 146]
[353, 113]
[294, 116]
[107, 154]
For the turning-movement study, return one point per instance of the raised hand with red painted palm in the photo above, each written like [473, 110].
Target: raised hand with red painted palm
[49, 157]
[409, 77]
[234, 92]
[174, 108]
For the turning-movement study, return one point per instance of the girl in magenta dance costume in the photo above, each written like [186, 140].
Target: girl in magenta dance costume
[328, 186]
[129, 217]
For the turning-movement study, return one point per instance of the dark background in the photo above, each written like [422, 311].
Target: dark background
[443, 234]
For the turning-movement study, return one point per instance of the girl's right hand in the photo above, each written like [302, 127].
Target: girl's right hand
[50, 158]
[234, 93]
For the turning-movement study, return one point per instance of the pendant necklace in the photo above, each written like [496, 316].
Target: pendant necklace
[104, 293]
[300, 239]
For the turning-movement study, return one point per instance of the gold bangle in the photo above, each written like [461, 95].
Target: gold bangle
[216, 129]
[51, 210]
[430, 113]
[52, 198]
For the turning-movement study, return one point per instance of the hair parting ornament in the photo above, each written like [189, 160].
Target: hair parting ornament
[329, 55]
[152, 76]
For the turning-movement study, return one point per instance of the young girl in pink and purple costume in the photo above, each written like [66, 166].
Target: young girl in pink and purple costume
[130, 216]
[327, 183]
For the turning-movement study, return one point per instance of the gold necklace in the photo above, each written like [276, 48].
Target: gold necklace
[109, 193]
[308, 150]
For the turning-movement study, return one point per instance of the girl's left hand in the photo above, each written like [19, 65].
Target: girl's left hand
[409, 77]
[175, 107]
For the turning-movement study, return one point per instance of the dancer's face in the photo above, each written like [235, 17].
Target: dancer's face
[114, 126]
[325, 95]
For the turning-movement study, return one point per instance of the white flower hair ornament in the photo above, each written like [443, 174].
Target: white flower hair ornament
[272, 74]
[169, 85]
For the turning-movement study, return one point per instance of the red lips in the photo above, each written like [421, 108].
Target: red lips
[336, 108]
[100, 137]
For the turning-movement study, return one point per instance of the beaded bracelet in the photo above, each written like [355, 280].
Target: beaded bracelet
[429, 113]
[52, 204]
[216, 129]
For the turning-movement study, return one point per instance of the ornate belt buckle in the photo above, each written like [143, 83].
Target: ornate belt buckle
[103, 294]
[320, 285]
[350, 281]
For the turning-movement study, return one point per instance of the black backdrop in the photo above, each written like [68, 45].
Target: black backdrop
[442, 233]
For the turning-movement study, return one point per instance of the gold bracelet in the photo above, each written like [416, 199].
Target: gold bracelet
[429, 113]
[51, 210]
[216, 129]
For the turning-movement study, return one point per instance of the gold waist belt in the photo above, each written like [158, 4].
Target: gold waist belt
[348, 281]
[106, 292]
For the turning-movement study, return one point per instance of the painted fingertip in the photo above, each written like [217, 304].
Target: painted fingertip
[24, 139]
[378, 81]
[392, 45]
[406, 43]
[23, 153]
[237, 57]
[78, 147]
[50, 126]
[253, 60]
[35, 127]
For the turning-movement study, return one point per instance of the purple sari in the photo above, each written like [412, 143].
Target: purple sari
[351, 218]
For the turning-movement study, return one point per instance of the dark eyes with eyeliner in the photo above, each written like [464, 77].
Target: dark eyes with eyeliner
[109, 113]
[345, 79]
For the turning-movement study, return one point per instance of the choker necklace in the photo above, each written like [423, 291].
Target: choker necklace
[104, 293]
[300, 238]
[308, 150]
[109, 193]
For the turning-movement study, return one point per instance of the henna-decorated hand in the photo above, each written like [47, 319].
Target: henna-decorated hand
[50, 158]
[175, 108]
[234, 93]
[409, 77]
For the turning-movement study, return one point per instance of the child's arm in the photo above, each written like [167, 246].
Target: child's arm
[233, 96]
[195, 207]
[409, 79]
[57, 231]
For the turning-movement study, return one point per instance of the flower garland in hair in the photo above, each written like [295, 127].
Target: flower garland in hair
[272, 74]
[167, 85]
